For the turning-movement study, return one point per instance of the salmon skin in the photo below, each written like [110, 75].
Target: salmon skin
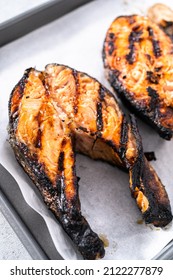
[138, 60]
[60, 111]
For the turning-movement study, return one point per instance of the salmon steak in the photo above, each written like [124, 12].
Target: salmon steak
[163, 16]
[138, 58]
[60, 111]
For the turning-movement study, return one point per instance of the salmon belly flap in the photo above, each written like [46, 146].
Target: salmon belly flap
[54, 114]
[138, 59]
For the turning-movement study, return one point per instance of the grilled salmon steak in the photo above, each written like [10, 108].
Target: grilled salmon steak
[163, 16]
[138, 58]
[60, 111]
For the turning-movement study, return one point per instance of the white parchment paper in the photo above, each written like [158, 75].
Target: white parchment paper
[76, 40]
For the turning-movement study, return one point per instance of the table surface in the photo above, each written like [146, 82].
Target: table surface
[10, 245]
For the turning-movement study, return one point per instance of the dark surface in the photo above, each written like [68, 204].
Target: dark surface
[34, 18]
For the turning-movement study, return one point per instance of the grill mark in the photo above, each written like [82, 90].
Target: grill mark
[156, 44]
[123, 138]
[101, 93]
[77, 93]
[99, 109]
[111, 43]
[154, 102]
[60, 181]
[158, 69]
[111, 47]
[152, 77]
[38, 139]
[64, 141]
[61, 157]
[61, 162]
[60, 186]
[99, 117]
[138, 166]
[111, 35]
[82, 128]
[38, 143]
[154, 98]
[39, 133]
[134, 37]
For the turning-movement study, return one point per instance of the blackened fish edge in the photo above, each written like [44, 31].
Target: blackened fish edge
[20, 86]
[66, 208]
[159, 211]
[124, 95]
[153, 116]
[74, 224]
[158, 214]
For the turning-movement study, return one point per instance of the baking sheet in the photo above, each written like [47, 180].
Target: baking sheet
[76, 40]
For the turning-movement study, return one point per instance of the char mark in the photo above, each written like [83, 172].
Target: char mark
[84, 129]
[35, 169]
[111, 47]
[154, 100]
[38, 139]
[137, 170]
[23, 81]
[39, 133]
[61, 162]
[20, 87]
[156, 45]
[60, 186]
[77, 93]
[150, 156]
[135, 36]
[124, 138]
[111, 43]
[101, 93]
[152, 77]
[99, 116]
[99, 109]
[111, 35]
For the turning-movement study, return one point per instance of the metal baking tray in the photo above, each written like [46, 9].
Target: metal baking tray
[29, 225]
[34, 18]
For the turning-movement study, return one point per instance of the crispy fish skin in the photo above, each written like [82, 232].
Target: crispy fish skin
[138, 60]
[49, 122]
[43, 145]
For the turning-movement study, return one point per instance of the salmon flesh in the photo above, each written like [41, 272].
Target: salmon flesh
[138, 58]
[60, 111]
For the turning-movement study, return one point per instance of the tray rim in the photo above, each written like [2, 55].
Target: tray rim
[11, 30]
[34, 18]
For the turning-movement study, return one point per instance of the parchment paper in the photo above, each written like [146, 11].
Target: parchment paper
[76, 40]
